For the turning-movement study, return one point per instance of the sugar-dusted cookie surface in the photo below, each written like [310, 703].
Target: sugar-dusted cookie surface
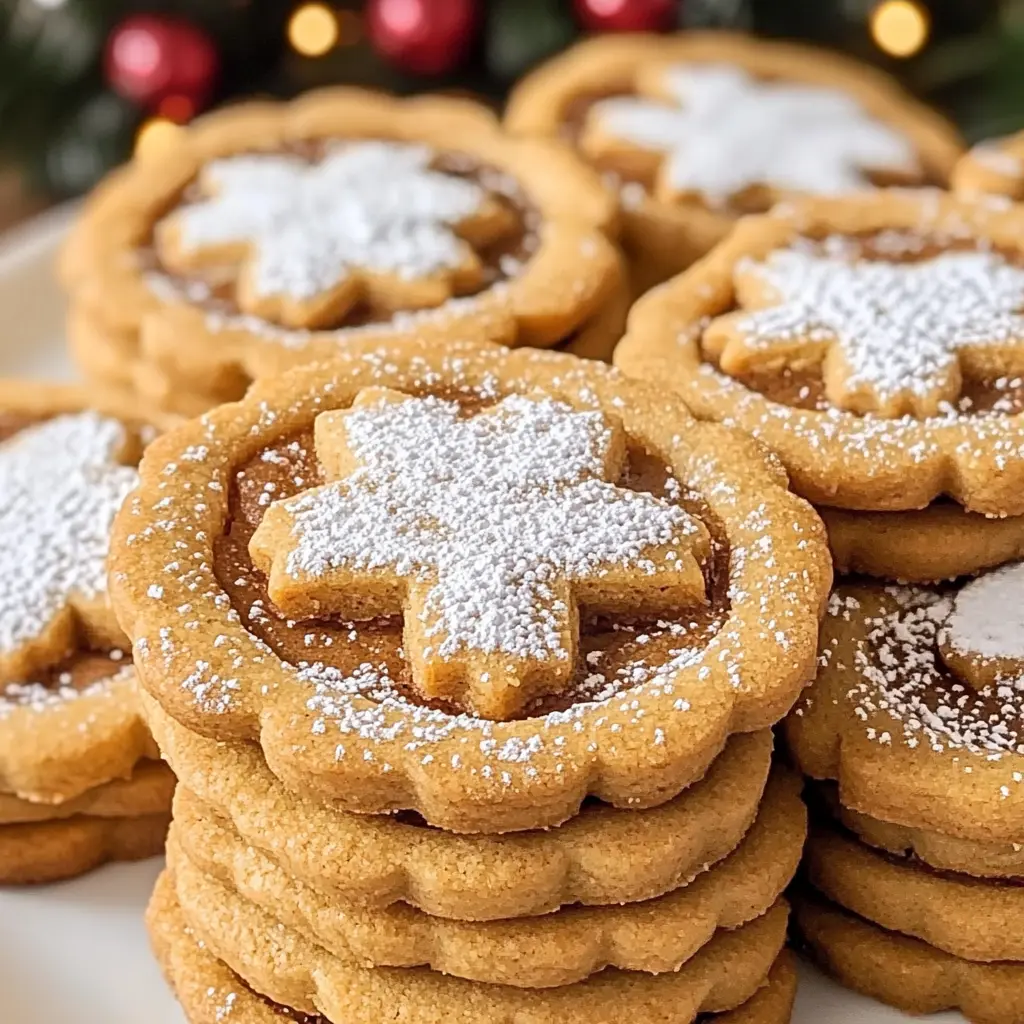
[208, 989]
[873, 341]
[643, 586]
[277, 233]
[918, 708]
[994, 167]
[69, 717]
[697, 129]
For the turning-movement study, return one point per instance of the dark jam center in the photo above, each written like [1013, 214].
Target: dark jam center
[291, 466]
[500, 259]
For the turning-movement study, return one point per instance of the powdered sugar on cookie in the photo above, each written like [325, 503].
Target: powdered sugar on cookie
[987, 619]
[367, 206]
[60, 487]
[727, 132]
[900, 328]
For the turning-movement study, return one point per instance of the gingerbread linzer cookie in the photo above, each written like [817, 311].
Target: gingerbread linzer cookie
[698, 129]
[70, 723]
[994, 168]
[477, 584]
[875, 343]
[918, 708]
[274, 234]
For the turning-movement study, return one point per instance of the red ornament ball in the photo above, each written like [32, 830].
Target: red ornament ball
[625, 15]
[161, 62]
[425, 37]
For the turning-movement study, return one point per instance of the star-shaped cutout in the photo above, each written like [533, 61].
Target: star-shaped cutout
[892, 338]
[61, 484]
[713, 131]
[488, 532]
[308, 241]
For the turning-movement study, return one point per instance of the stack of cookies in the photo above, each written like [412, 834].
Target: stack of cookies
[696, 129]
[274, 234]
[79, 779]
[876, 343]
[467, 663]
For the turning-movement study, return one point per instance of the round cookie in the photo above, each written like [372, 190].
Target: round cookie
[969, 918]
[295, 972]
[501, 698]
[942, 852]
[278, 233]
[872, 341]
[906, 715]
[600, 857]
[535, 952]
[208, 990]
[697, 129]
[69, 717]
[904, 972]
[994, 167]
[50, 851]
[926, 545]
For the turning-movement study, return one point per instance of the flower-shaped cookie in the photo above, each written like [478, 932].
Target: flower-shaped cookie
[595, 590]
[918, 708]
[69, 720]
[275, 234]
[874, 342]
[699, 128]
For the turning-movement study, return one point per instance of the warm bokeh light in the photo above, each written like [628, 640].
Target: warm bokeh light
[900, 27]
[177, 108]
[313, 30]
[156, 137]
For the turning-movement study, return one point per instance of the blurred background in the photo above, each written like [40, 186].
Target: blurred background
[83, 83]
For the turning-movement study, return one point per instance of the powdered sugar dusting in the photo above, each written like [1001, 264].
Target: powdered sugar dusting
[374, 206]
[497, 511]
[728, 132]
[41, 698]
[899, 325]
[60, 487]
[987, 618]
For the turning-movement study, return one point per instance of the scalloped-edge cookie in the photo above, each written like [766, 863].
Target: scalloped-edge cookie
[291, 970]
[942, 852]
[51, 851]
[905, 972]
[994, 167]
[209, 990]
[696, 129]
[926, 545]
[909, 738]
[276, 233]
[655, 936]
[69, 714]
[148, 790]
[602, 856]
[640, 716]
[970, 918]
[762, 335]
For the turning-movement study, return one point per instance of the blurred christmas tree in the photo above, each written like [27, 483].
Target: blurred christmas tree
[83, 81]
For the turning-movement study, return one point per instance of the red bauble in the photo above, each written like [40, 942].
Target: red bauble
[426, 37]
[162, 62]
[625, 15]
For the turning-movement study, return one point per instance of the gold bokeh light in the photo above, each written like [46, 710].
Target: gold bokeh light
[900, 27]
[313, 30]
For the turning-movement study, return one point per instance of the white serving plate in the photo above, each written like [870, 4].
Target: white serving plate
[76, 953]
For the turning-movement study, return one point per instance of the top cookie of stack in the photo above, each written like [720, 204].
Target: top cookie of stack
[875, 343]
[697, 129]
[273, 234]
[471, 588]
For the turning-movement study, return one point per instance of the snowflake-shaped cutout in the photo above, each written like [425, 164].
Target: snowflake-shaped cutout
[487, 532]
[308, 241]
[713, 131]
[61, 484]
[891, 338]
